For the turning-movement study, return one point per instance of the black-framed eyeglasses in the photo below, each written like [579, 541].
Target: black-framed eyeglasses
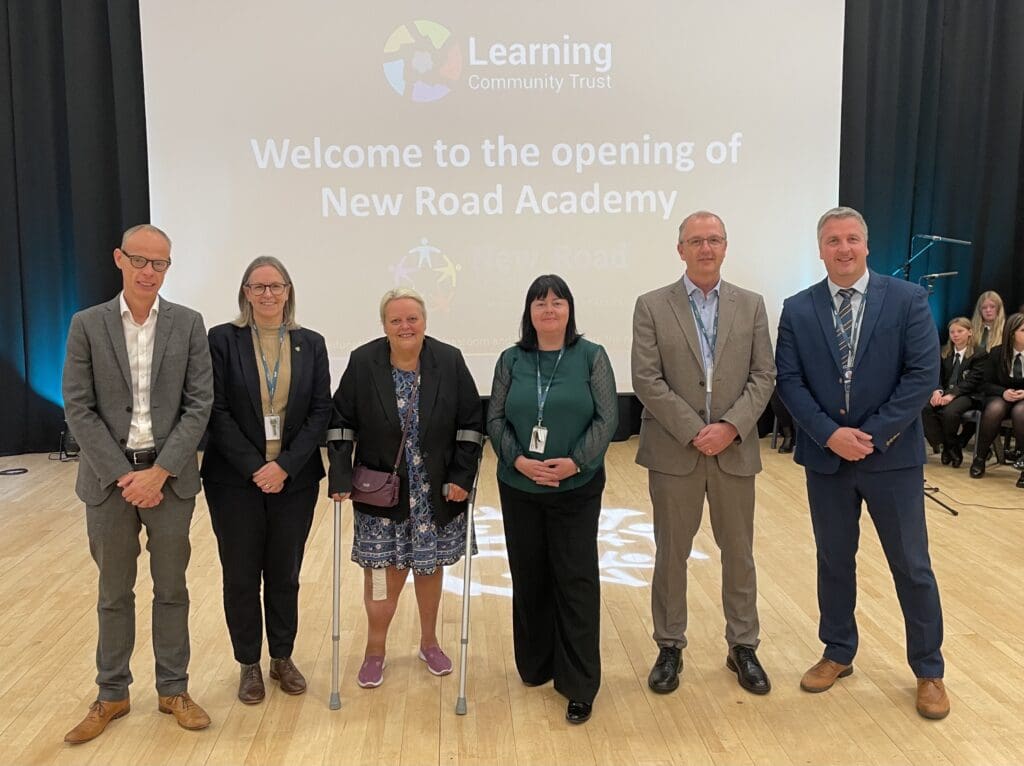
[713, 241]
[276, 288]
[139, 262]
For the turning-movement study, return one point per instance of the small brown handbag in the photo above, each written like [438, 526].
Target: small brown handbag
[380, 488]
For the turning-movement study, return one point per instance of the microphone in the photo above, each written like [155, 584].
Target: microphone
[939, 275]
[937, 238]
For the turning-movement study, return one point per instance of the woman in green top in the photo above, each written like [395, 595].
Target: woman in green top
[552, 412]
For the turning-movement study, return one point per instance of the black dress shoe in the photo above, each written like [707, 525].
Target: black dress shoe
[1020, 480]
[743, 662]
[578, 712]
[664, 676]
[947, 456]
[957, 453]
[977, 467]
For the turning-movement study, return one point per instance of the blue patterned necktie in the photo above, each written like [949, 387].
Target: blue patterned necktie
[844, 329]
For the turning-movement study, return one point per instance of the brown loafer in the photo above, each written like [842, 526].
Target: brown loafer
[251, 690]
[823, 674]
[285, 673]
[932, 701]
[101, 712]
[186, 711]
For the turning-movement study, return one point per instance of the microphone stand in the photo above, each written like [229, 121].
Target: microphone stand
[934, 499]
[912, 256]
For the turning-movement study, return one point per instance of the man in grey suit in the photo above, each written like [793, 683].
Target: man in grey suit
[704, 371]
[138, 388]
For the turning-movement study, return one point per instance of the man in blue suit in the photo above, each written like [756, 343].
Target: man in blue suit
[857, 355]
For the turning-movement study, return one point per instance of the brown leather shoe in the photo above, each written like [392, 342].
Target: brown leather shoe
[932, 701]
[823, 674]
[284, 672]
[251, 690]
[188, 714]
[101, 712]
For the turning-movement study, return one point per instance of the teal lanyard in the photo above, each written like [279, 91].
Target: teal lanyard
[709, 339]
[271, 378]
[542, 397]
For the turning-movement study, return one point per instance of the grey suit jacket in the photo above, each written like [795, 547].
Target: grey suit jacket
[98, 396]
[668, 378]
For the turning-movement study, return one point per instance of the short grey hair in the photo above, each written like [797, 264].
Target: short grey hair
[129, 233]
[245, 316]
[395, 294]
[702, 214]
[842, 212]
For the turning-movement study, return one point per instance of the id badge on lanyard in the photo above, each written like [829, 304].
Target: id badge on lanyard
[539, 435]
[271, 422]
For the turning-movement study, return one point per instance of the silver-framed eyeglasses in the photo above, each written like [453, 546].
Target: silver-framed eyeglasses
[713, 241]
[276, 288]
[139, 262]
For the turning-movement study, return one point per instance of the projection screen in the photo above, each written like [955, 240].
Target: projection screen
[465, 148]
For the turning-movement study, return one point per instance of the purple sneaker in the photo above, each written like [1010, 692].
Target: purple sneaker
[437, 661]
[371, 674]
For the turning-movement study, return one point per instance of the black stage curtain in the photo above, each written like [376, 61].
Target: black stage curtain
[73, 176]
[933, 140]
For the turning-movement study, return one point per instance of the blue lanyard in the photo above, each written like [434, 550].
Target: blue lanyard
[271, 379]
[709, 339]
[542, 397]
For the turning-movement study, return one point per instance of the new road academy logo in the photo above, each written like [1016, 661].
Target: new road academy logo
[422, 61]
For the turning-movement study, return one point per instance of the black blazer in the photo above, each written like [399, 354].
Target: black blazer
[365, 403]
[997, 379]
[971, 378]
[236, 447]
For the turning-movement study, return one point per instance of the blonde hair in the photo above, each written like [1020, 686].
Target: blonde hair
[972, 341]
[995, 335]
[397, 293]
[245, 317]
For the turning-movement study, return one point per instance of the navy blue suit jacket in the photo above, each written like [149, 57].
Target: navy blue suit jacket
[895, 369]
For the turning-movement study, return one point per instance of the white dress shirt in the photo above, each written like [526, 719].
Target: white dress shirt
[139, 340]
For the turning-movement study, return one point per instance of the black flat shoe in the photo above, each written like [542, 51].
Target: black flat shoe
[957, 453]
[664, 676]
[787, 445]
[977, 467]
[743, 662]
[578, 712]
[1020, 480]
[947, 456]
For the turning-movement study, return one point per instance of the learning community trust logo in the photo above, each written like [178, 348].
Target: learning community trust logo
[422, 61]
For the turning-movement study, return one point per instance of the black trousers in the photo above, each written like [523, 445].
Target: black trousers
[942, 424]
[556, 590]
[261, 539]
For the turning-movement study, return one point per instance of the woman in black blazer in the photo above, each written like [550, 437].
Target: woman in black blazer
[1004, 387]
[262, 467]
[961, 370]
[411, 379]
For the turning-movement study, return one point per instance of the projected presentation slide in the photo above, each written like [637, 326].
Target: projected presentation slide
[462, 149]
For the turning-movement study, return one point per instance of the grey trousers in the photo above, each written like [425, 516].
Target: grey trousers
[678, 506]
[114, 528]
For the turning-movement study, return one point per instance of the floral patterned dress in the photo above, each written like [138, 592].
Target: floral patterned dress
[415, 542]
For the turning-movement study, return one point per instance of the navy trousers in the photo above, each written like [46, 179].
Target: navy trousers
[895, 501]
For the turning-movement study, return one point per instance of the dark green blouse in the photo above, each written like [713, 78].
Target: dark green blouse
[580, 413]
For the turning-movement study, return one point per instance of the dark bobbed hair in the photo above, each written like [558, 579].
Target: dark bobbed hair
[538, 289]
[1013, 323]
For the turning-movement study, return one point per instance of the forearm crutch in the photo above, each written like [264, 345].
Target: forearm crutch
[467, 570]
[335, 702]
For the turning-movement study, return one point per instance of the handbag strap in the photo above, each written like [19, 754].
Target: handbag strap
[407, 421]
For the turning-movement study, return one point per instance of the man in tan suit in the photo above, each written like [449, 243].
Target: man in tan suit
[703, 369]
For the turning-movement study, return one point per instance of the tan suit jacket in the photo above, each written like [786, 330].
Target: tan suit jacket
[668, 378]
